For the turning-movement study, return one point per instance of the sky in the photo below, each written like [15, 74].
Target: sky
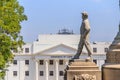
[48, 16]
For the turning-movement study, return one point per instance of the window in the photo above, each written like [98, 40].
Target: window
[95, 61]
[106, 49]
[26, 50]
[26, 62]
[105, 61]
[60, 62]
[41, 73]
[51, 62]
[61, 73]
[95, 50]
[14, 51]
[15, 62]
[26, 73]
[14, 73]
[41, 62]
[51, 73]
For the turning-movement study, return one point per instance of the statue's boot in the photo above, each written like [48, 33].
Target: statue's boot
[89, 59]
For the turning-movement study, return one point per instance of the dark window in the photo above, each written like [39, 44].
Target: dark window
[41, 62]
[51, 62]
[41, 73]
[51, 73]
[14, 51]
[26, 73]
[61, 62]
[14, 73]
[61, 73]
[105, 61]
[26, 62]
[95, 61]
[26, 50]
[95, 50]
[106, 49]
[15, 62]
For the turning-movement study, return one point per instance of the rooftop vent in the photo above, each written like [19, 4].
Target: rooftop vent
[65, 31]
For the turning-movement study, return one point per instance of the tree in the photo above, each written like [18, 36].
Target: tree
[11, 15]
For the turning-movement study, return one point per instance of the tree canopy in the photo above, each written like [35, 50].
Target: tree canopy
[11, 16]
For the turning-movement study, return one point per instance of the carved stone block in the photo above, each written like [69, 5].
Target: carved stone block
[82, 70]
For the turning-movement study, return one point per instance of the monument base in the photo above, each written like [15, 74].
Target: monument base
[111, 72]
[113, 57]
[82, 70]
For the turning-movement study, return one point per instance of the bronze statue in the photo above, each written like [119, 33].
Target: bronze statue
[84, 37]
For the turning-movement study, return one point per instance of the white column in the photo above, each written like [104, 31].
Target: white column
[56, 69]
[46, 69]
[36, 69]
[20, 70]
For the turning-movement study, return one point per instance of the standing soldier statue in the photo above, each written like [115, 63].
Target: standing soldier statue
[84, 39]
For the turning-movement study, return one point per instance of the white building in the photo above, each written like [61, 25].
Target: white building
[46, 58]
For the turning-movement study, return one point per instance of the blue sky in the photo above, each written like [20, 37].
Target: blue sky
[48, 16]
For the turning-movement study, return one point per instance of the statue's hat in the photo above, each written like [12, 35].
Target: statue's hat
[84, 13]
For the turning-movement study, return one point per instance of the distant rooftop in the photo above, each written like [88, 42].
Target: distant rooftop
[65, 31]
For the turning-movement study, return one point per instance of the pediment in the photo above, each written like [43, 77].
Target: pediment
[57, 50]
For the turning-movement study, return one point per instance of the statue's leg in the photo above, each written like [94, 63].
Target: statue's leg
[80, 47]
[88, 47]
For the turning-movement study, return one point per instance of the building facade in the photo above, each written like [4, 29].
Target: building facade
[47, 57]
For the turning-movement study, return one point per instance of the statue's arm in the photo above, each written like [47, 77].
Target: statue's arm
[87, 28]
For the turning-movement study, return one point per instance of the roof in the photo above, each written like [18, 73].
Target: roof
[57, 38]
[60, 49]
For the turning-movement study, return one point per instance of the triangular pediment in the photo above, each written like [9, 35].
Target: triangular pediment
[57, 50]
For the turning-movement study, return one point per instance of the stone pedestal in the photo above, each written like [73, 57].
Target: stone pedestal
[111, 72]
[83, 70]
[111, 69]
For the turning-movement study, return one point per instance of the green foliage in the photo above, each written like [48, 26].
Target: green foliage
[11, 15]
